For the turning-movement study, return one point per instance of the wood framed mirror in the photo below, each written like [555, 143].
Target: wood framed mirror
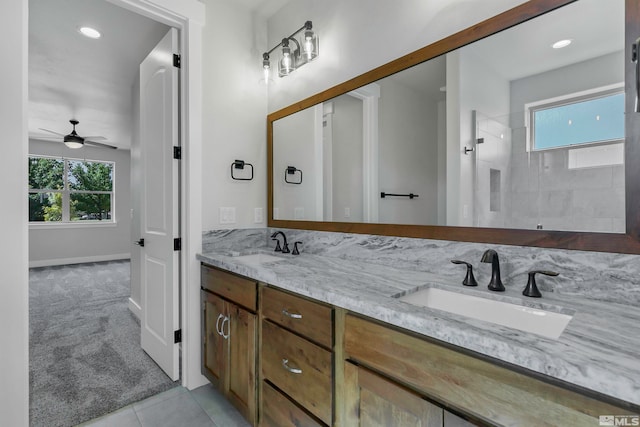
[625, 240]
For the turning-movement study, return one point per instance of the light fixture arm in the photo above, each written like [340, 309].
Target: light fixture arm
[307, 26]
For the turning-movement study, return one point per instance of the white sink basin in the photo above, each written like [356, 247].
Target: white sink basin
[542, 322]
[257, 259]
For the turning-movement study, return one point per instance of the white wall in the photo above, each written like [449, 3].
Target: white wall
[84, 243]
[234, 105]
[358, 35]
[14, 289]
[294, 146]
[408, 154]
[347, 159]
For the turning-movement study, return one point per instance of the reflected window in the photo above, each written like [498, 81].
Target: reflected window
[578, 119]
[69, 190]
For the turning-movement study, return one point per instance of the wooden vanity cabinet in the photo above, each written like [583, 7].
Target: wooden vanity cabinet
[296, 360]
[373, 400]
[486, 393]
[230, 337]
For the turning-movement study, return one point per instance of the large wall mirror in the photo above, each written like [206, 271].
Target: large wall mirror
[506, 138]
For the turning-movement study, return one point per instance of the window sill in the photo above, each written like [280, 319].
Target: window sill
[63, 225]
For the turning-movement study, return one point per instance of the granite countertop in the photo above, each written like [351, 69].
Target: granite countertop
[598, 349]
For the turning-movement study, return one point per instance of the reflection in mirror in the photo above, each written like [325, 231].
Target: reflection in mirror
[545, 126]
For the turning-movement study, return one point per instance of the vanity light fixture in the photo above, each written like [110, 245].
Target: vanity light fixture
[561, 43]
[294, 54]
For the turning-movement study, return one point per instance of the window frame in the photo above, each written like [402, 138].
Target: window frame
[572, 98]
[66, 193]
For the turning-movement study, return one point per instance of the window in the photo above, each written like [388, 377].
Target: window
[585, 118]
[70, 190]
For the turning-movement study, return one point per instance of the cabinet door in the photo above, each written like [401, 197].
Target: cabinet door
[451, 420]
[213, 351]
[373, 401]
[242, 361]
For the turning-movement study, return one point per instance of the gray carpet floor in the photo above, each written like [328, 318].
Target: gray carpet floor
[85, 358]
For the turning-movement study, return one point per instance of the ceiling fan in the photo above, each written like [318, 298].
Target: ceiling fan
[73, 140]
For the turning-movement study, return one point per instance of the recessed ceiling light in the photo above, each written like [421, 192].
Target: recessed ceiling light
[89, 32]
[561, 43]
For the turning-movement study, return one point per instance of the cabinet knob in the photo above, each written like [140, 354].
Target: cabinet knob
[285, 365]
[291, 315]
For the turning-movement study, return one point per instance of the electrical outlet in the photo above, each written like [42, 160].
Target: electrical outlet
[298, 213]
[347, 212]
[228, 215]
[465, 211]
[276, 213]
[257, 216]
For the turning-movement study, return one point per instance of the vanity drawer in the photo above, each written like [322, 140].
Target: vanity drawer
[279, 411]
[299, 368]
[237, 289]
[310, 319]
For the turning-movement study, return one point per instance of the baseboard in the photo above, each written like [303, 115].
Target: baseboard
[78, 260]
[135, 308]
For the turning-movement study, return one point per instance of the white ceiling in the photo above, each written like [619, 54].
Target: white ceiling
[595, 26]
[71, 76]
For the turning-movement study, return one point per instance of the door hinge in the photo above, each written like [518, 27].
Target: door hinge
[177, 153]
[176, 60]
[177, 336]
[177, 244]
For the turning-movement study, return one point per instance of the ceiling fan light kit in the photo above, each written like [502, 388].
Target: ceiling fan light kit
[73, 140]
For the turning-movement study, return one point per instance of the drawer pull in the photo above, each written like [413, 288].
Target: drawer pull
[291, 315]
[218, 330]
[285, 365]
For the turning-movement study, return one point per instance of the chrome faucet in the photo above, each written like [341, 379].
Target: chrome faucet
[492, 256]
[285, 246]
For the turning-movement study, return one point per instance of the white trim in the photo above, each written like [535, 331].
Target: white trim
[318, 151]
[50, 225]
[369, 94]
[135, 308]
[78, 260]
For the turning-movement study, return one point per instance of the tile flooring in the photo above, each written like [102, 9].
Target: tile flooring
[177, 407]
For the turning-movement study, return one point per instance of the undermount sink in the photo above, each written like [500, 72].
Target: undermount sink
[534, 320]
[258, 258]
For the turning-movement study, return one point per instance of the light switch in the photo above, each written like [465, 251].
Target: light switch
[347, 212]
[298, 213]
[257, 215]
[228, 215]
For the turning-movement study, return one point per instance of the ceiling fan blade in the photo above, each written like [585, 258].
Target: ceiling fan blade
[95, 138]
[51, 131]
[98, 144]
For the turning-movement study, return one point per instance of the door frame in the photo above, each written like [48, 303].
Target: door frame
[189, 18]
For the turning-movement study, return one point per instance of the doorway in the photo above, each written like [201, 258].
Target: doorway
[183, 18]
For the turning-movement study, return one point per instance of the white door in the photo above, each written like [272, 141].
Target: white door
[159, 269]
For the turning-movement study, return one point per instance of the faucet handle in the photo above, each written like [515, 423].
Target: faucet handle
[295, 249]
[469, 280]
[278, 248]
[531, 290]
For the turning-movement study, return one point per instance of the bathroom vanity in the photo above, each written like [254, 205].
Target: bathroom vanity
[334, 347]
